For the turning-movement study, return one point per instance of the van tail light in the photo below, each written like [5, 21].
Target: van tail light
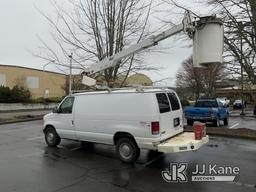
[155, 128]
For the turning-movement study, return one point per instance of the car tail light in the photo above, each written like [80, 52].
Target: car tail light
[155, 128]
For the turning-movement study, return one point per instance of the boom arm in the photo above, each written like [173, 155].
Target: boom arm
[151, 41]
[208, 39]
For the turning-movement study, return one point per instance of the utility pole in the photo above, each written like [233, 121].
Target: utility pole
[70, 74]
[242, 85]
[241, 25]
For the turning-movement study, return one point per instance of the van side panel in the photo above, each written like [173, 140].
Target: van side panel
[99, 116]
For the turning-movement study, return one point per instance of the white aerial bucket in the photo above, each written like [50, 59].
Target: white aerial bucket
[208, 42]
[88, 81]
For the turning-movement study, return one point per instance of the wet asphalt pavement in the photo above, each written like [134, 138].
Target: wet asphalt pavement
[242, 122]
[27, 164]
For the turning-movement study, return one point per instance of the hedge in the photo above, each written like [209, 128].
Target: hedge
[17, 94]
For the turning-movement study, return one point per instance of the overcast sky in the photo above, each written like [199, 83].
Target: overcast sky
[21, 23]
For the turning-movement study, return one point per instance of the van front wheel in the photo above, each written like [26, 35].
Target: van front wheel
[52, 138]
[128, 150]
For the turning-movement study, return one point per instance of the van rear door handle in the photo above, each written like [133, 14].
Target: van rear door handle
[72, 122]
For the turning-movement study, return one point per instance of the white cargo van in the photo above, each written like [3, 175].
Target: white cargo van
[129, 119]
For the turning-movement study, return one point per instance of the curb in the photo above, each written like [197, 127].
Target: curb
[24, 110]
[242, 116]
[21, 120]
[234, 133]
[234, 136]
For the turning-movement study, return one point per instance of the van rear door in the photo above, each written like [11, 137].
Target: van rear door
[170, 120]
[176, 110]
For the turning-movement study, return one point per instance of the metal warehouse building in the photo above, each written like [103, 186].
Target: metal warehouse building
[50, 84]
[40, 83]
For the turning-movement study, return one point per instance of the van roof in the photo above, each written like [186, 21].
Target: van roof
[132, 90]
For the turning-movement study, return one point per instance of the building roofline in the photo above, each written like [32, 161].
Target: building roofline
[17, 66]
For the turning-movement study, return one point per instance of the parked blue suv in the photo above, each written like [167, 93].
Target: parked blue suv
[207, 110]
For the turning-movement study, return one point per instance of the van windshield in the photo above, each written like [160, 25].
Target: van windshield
[163, 102]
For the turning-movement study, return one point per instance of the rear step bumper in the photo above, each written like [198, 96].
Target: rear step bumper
[182, 142]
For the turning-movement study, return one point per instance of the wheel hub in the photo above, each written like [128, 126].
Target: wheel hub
[125, 151]
[50, 137]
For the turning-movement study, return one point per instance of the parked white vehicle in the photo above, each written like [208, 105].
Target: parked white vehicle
[224, 101]
[129, 119]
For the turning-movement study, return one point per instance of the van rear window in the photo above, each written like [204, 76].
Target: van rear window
[163, 102]
[174, 101]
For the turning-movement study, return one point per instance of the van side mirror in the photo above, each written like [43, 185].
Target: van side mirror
[55, 109]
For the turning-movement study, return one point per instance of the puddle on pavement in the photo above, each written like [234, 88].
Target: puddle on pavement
[212, 145]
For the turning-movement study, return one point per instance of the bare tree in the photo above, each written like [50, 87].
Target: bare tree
[240, 35]
[239, 18]
[198, 80]
[95, 29]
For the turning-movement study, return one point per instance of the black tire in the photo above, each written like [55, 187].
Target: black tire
[128, 150]
[51, 137]
[226, 121]
[190, 122]
[216, 122]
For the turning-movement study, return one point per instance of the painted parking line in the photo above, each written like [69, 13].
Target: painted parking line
[76, 148]
[233, 126]
[35, 138]
[62, 147]
[153, 160]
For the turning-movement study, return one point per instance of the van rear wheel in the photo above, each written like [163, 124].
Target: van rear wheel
[128, 150]
[51, 137]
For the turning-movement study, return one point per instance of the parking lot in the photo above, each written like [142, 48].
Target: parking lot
[242, 122]
[27, 164]
[238, 122]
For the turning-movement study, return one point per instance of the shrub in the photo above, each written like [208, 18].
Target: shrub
[46, 100]
[53, 99]
[20, 94]
[15, 95]
[5, 94]
[184, 102]
[37, 100]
